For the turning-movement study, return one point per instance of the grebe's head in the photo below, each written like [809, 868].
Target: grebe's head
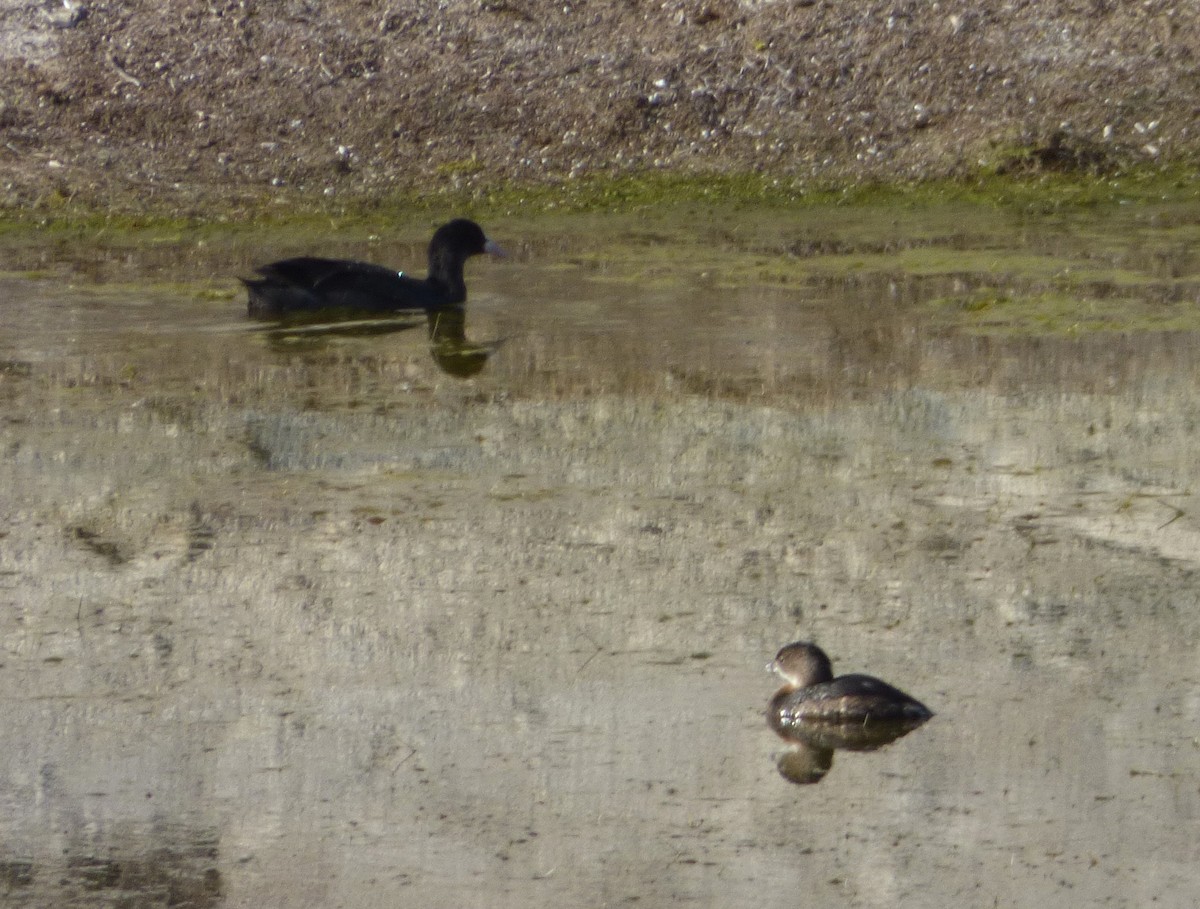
[802, 664]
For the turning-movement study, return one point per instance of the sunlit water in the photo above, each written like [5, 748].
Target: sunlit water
[304, 620]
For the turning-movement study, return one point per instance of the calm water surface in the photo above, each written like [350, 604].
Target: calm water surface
[306, 620]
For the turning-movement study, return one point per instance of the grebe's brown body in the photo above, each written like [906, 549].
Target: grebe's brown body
[857, 712]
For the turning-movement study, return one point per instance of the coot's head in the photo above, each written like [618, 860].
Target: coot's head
[802, 664]
[461, 239]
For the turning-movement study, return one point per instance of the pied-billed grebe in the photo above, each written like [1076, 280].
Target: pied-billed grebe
[813, 700]
[307, 284]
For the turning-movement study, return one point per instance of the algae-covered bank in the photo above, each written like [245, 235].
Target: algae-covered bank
[307, 618]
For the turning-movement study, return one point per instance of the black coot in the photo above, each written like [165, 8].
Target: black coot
[311, 285]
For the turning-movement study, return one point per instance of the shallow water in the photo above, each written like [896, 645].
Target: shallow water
[303, 620]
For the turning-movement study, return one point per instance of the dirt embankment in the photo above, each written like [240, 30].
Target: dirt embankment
[131, 102]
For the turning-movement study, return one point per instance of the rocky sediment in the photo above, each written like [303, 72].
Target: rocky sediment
[133, 103]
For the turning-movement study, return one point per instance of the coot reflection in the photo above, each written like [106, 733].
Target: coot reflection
[449, 346]
[448, 343]
[819, 713]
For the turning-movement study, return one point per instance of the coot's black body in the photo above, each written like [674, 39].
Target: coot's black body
[311, 285]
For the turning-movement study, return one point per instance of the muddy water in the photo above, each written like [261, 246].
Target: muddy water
[304, 620]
